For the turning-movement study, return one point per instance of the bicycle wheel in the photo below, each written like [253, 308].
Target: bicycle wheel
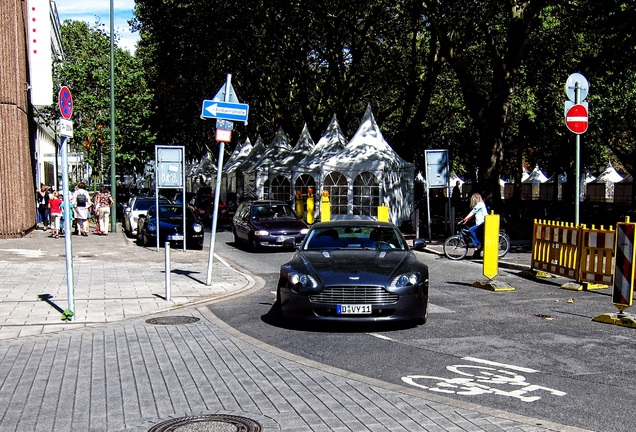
[455, 248]
[504, 244]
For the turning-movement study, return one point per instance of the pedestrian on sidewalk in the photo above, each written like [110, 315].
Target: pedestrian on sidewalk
[55, 208]
[103, 202]
[81, 200]
[42, 199]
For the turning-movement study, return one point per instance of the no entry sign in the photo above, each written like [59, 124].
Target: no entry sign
[576, 119]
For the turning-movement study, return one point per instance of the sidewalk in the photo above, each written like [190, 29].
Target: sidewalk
[114, 369]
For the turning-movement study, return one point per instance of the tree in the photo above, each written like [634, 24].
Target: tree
[483, 79]
[85, 69]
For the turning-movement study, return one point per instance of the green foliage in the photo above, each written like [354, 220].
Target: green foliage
[484, 79]
[85, 69]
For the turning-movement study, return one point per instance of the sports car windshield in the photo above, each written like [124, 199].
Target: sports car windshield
[354, 237]
[272, 212]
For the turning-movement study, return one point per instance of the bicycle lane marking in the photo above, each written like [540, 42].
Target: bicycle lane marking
[484, 380]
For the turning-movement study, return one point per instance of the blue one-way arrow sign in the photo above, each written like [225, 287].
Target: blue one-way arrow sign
[225, 110]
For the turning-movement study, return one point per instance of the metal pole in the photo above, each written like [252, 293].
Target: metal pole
[428, 211]
[113, 179]
[217, 190]
[167, 266]
[577, 180]
[67, 229]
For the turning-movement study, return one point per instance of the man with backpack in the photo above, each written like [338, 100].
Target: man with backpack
[81, 201]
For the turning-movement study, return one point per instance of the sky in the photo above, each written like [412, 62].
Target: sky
[88, 10]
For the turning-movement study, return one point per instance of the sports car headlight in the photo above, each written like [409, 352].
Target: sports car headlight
[304, 231]
[197, 227]
[261, 233]
[302, 280]
[406, 279]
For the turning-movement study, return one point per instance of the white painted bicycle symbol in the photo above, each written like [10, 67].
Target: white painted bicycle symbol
[496, 378]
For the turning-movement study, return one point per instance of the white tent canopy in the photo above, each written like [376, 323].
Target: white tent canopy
[368, 152]
[536, 176]
[303, 147]
[332, 142]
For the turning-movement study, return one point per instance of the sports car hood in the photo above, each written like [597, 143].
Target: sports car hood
[281, 224]
[342, 267]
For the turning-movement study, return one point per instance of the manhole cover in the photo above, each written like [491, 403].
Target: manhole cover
[208, 423]
[172, 320]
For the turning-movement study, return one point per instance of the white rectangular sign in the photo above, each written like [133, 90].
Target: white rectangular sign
[66, 128]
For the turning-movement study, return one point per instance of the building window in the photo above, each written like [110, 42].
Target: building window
[336, 185]
[281, 189]
[366, 194]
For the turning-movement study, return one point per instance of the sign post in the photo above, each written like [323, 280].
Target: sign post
[437, 176]
[576, 119]
[170, 173]
[225, 112]
[65, 102]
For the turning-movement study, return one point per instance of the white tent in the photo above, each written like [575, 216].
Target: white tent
[530, 185]
[230, 168]
[536, 176]
[256, 177]
[301, 150]
[376, 173]
[602, 189]
[205, 169]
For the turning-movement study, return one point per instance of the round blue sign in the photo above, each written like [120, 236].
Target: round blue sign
[65, 101]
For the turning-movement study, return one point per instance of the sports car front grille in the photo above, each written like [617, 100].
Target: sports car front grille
[354, 295]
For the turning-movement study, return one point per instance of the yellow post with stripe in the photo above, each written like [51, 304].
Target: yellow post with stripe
[491, 245]
[300, 205]
[310, 206]
[383, 213]
[325, 207]
[491, 256]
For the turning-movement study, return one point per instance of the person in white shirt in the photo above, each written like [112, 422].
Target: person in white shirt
[81, 201]
[479, 210]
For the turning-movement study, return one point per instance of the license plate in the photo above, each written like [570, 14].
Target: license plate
[176, 237]
[281, 239]
[353, 309]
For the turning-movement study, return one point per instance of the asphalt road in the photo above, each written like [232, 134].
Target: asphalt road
[534, 351]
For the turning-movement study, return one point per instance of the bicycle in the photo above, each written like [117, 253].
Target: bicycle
[456, 246]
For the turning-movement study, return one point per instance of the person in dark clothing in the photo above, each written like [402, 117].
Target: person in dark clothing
[42, 199]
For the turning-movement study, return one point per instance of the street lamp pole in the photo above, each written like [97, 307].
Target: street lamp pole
[113, 183]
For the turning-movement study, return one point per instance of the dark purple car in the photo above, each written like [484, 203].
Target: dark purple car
[267, 223]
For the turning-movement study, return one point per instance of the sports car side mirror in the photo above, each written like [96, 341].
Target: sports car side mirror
[419, 244]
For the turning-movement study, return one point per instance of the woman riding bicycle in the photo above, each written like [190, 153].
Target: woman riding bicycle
[479, 210]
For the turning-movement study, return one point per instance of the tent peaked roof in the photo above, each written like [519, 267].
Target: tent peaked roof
[206, 166]
[367, 150]
[303, 147]
[609, 176]
[254, 155]
[331, 142]
[536, 176]
[278, 150]
[238, 156]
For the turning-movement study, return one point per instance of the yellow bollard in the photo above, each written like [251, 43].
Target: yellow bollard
[310, 206]
[325, 207]
[300, 206]
[383, 213]
[491, 245]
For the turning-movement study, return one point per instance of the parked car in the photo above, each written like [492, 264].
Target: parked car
[137, 205]
[170, 226]
[267, 223]
[354, 270]
[203, 206]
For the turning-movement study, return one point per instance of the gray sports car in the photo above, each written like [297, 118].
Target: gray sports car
[354, 270]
